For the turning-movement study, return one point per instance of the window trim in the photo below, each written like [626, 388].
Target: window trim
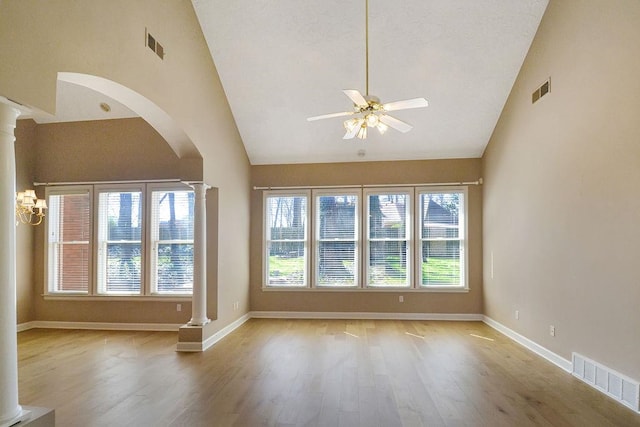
[94, 189]
[413, 240]
[307, 232]
[119, 188]
[408, 191]
[315, 241]
[150, 289]
[463, 238]
[62, 191]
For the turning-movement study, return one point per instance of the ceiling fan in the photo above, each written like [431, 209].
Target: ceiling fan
[368, 110]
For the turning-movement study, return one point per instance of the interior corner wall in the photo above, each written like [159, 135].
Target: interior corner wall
[369, 173]
[561, 205]
[25, 294]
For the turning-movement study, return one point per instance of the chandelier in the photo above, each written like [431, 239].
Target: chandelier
[30, 209]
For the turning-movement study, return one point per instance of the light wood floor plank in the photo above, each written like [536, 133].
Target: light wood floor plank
[307, 373]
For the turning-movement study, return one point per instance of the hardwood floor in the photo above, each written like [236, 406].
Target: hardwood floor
[307, 373]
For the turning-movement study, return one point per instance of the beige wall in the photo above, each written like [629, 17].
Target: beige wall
[127, 149]
[365, 173]
[25, 292]
[561, 206]
[106, 39]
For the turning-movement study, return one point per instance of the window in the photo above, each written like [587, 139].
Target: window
[124, 240]
[442, 244]
[172, 241]
[336, 239]
[286, 241]
[68, 241]
[388, 241]
[120, 254]
[409, 238]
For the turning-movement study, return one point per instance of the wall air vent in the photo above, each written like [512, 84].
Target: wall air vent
[153, 44]
[541, 91]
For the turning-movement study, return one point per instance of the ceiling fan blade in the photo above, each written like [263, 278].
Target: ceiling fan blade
[395, 123]
[356, 97]
[328, 116]
[406, 104]
[351, 133]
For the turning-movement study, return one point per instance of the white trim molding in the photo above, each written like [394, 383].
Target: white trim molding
[99, 326]
[464, 317]
[541, 351]
[207, 343]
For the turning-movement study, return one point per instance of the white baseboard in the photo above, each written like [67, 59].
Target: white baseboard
[25, 326]
[541, 351]
[104, 326]
[362, 315]
[202, 346]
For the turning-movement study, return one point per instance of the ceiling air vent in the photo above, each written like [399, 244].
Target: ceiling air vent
[153, 44]
[541, 91]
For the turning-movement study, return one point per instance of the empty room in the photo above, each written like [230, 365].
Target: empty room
[338, 213]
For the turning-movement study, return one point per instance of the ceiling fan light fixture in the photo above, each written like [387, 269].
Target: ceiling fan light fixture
[367, 109]
[372, 120]
[362, 133]
[382, 128]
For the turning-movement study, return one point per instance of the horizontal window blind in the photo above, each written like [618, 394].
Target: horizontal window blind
[441, 246]
[286, 240]
[120, 242]
[337, 240]
[172, 241]
[388, 240]
[68, 255]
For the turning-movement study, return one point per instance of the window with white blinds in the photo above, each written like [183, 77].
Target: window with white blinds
[336, 239]
[120, 240]
[286, 239]
[388, 238]
[68, 241]
[400, 237]
[172, 241]
[120, 254]
[441, 244]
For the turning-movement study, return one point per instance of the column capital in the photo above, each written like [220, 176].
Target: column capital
[9, 113]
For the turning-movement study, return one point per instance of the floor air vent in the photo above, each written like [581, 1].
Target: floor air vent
[615, 385]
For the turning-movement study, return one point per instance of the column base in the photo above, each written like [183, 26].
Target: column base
[198, 322]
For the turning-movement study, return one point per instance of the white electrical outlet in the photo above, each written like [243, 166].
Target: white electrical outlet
[178, 307]
[552, 331]
[401, 298]
[517, 314]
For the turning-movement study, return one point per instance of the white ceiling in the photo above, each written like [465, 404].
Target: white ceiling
[76, 103]
[283, 61]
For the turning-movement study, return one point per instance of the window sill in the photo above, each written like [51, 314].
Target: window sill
[440, 289]
[140, 298]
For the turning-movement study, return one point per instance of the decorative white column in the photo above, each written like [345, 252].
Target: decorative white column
[199, 299]
[10, 411]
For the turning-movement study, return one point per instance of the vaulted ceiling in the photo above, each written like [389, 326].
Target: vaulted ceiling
[283, 61]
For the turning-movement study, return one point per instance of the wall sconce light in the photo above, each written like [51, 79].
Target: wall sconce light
[30, 209]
